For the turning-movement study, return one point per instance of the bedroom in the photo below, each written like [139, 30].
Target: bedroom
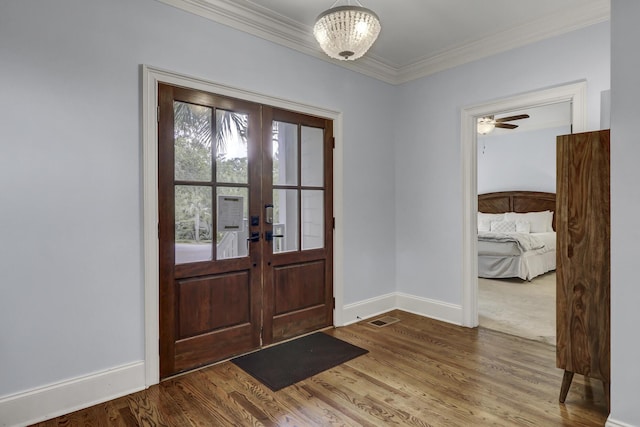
[519, 298]
[80, 63]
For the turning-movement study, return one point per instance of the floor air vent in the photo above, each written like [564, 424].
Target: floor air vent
[384, 321]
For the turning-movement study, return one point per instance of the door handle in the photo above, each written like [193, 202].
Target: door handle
[268, 236]
[254, 237]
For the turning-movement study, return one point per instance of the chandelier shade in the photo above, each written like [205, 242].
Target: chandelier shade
[346, 32]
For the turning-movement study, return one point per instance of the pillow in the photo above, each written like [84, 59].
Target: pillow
[549, 220]
[491, 216]
[503, 226]
[523, 226]
[484, 220]
[540, 222]
[484, 225]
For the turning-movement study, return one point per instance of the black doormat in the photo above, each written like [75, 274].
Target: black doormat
[285, 364]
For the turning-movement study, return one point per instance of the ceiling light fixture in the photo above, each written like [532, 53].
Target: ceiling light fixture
[486, 125]
[346, 32]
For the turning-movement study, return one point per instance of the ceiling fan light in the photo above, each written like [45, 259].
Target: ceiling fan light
[346, 32]
[485, 125]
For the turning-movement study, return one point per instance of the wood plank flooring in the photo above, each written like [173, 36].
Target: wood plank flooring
[418, 372]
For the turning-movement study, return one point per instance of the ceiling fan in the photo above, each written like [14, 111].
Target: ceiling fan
[487, 123]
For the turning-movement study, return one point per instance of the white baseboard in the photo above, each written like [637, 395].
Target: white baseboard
[67, 396]
[614, 423]
[433, 309]
[355, 312]
[64, 397]
[366, 309]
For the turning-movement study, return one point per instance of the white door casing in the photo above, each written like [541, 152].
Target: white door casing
[151, 76]
[576, 93]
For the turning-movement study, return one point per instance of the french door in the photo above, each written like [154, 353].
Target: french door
[245, 226]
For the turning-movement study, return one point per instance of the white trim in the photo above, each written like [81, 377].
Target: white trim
[260, 21]
[522, 35]
[338, 214]
[368, 308]
[151, 76]
[433, 309]
[150, 227]
[576, 93]
[71, 395]
[469, 164]
[376, 306]
[615, 423]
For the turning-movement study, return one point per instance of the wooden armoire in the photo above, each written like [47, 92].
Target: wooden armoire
[583, 258]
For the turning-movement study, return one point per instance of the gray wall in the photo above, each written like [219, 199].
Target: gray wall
[518, 161]
[71, 266]
[625, 205]
[428, 148]
[70, 169]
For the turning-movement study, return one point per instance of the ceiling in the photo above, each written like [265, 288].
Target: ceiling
[418, 37]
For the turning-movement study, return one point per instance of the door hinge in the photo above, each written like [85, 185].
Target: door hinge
[333, 142]
[334, 223]
[158, 114]
[334, 303]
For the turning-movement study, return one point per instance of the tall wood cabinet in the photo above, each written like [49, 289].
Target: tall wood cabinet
[583, 258]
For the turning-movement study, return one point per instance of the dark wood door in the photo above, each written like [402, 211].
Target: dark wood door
[298, 254]
[244, 261]
[209, 185]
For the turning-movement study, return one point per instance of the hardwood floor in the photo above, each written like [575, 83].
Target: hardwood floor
[418, 372]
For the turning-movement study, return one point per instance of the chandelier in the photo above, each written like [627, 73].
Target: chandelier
[346, 32]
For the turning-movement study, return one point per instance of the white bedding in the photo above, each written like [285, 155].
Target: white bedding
[510, 260]
[525, 241]
[487, 247]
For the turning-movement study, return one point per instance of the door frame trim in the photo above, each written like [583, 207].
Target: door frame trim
[576, 93]
[151, 76]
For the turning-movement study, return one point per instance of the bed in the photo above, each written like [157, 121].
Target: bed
[516, 234]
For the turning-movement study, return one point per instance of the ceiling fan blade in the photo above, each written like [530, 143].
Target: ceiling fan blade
[510, 118]
[506, 126]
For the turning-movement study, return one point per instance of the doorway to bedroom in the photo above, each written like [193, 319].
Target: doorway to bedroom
[516, 277]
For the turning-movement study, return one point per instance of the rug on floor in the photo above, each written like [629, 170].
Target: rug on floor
[287, 363]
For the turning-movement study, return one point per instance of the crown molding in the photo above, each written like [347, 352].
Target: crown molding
[264, 23]
[503, 41]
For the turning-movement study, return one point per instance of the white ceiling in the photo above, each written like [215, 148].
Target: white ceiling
[418, 37]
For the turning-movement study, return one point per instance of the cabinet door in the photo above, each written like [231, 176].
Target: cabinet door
[583, 254]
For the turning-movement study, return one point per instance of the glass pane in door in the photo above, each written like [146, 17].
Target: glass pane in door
[193, 224]
[285, 220]
[231, 147]
[312, 219]
[285, 153]
[232, 224]
[192, 142]
[312, 159]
